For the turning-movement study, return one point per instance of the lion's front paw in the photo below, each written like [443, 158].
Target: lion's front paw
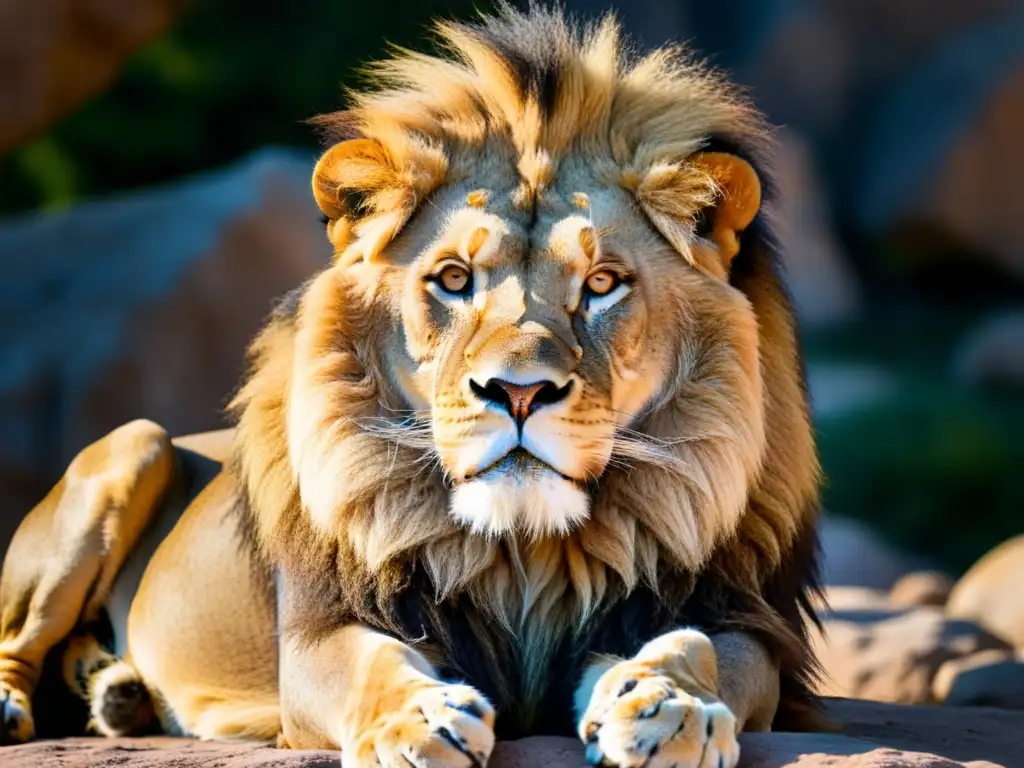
[16, 724]
[638, 717]
[443, 726]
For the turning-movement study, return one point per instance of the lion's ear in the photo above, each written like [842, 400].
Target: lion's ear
[738, 199]
[368, 194]
[354, 179]
[346, 173]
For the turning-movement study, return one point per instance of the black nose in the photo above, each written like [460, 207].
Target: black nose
[520, 400]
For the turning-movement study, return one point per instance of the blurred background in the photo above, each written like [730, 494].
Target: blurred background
[154, 199]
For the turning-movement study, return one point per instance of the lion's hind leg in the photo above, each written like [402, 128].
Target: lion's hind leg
[66, 553]
[119, 702]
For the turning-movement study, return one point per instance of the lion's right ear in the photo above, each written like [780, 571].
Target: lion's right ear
[368, 194]
[344, 178]
[346, 173]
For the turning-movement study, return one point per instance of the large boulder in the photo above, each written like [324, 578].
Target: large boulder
[922, 588]
[991, 593]
[141, 306]
[55, 54]
[935, 162]
[874, 736]
[885, 653]
[992, 678]
[970, 191]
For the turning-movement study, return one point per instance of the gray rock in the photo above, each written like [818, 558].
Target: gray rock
[141, 306]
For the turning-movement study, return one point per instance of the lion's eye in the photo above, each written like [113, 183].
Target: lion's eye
[455, 280]
[602, 283]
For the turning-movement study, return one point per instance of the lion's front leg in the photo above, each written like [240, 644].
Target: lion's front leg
[665, 706]
[381, 702]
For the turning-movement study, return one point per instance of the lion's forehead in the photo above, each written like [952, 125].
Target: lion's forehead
[541, 226]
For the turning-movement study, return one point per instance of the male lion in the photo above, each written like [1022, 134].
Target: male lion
[535, 444]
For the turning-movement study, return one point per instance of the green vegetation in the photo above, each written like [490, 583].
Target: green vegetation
[935, 467]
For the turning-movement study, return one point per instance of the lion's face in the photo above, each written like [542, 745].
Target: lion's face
[533, 336]
[551, 272]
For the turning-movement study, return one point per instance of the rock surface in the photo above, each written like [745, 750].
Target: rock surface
[991, 593]
[968, 192]
[887, 653]
[141, 306]
[922, 588]
[875, 736]
[989, 678]
[55, 54]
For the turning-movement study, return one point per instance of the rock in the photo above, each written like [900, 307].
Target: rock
[839, 598]
[973, 188]
[938, 150]
[824, 288]
[141, 306]
[891, 654]
[875, 736]
[976, 736]
[987, 679]
[55, 54]
[993, 353]
[853, 555]
[991, 593]
[921, 588]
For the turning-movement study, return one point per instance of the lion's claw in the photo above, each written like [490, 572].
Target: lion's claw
[639, 718]
[16, 724]
[440, 726]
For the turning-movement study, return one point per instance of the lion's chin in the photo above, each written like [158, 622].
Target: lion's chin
[516, 495]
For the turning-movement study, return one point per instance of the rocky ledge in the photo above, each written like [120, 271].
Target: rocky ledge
[874, 736]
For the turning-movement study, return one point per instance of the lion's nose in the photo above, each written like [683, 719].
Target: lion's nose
[520, 400]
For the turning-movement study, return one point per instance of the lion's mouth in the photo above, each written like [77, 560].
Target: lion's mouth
[518, 463]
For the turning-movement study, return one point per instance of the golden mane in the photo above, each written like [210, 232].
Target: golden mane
[537, 88]
[351, 515]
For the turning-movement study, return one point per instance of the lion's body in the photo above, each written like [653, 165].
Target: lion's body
[519, 438]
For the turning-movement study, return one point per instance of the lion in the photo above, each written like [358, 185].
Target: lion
[532, 455]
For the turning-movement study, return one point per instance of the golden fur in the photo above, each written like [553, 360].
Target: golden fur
[668, 480]
[729, 465]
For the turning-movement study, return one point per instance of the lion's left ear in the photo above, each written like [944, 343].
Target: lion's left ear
[701, 205]
[738, 199]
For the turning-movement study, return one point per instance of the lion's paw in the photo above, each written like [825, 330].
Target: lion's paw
[638, 717]
[443, 726]
[16, 724]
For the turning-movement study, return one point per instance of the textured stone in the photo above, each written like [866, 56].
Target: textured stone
[875, 736]
[973, 191]
[141, 306]
[989, 678]
[921, 588]
[884, 653]
[991, 593]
